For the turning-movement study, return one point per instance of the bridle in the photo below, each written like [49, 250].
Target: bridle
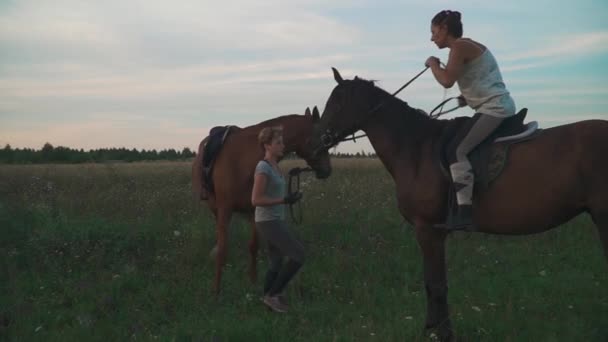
[294, 174]
[331, 138]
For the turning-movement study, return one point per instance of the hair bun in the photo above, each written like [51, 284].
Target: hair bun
[451, 19]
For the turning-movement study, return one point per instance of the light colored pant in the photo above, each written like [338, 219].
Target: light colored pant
[479, 128]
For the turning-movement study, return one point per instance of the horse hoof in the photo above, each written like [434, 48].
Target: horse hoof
[439, 333]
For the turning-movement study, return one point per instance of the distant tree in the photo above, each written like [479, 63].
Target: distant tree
[6, 154]
[46, 153]
[187, 153]
[61, 154]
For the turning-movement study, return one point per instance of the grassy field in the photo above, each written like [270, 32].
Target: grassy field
[120, 252]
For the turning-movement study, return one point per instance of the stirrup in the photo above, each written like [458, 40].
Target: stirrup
[462, 219]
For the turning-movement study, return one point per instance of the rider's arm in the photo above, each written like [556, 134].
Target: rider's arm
[448, 76]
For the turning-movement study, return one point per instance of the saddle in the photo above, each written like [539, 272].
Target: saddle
[488, 158]
[213, 146]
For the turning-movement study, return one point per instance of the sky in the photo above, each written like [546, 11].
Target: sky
[159, 74]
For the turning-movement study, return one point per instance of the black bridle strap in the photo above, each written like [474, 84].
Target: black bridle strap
[410, 81]
[440, 107]
[373, 110]
[295, 173]
[399, 90]
[354, 138]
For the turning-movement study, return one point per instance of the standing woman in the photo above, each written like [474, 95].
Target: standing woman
[269, 199]
[476, 71]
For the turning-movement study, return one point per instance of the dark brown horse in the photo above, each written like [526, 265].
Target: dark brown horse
[233, 176]
[548, 180]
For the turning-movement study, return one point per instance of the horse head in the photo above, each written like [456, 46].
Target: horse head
[347, 109]
[318, 160]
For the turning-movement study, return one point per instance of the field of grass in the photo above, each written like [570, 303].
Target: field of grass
[114, 252]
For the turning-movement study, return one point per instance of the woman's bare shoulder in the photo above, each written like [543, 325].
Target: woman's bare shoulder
[469, 48]
[470, 43]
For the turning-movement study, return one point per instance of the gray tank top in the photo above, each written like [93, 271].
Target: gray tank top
[275, 188]
[482, 86]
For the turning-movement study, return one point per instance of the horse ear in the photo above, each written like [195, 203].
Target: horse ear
[315, 114]
[307, 112]
[337, 76]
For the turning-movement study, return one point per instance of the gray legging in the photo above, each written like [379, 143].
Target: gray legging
[281, 243]
[476, 131]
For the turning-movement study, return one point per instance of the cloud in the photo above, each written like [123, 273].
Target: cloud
[581, 44]
[71, 67]
[565, 91]
[523, 66]
[68, 80]
[166, 33]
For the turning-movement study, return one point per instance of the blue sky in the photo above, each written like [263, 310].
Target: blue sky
[160, 74]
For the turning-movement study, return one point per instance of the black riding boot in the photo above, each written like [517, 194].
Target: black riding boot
[462, 219]
[287, 272]
[271, 276]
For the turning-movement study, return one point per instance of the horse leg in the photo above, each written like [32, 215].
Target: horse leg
[213, 251]
[222, 223]
[253, 251]
[198, 180]
[601, 221]
[432, 246]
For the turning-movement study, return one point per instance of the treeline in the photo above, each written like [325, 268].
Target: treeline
[61, 154]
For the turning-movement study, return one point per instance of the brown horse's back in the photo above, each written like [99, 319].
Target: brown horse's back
[235, 158]
[548, 180]
[233, 170]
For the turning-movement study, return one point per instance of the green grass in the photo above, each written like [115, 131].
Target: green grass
[120, 252]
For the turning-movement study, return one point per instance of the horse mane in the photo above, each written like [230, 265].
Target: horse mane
[404, 124]
[275, 121]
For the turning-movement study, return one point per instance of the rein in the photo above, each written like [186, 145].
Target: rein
[294, 174]
[440, 107]
[328, 139]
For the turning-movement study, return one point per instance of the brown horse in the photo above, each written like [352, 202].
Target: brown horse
[548, 180]
[233, 176]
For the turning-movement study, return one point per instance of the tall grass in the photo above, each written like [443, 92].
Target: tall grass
[120, 252]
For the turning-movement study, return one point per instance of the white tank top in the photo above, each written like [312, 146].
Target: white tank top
[481, 83]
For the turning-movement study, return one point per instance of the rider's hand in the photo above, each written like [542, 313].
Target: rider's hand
[293, 197]
[461, 101]
[431, 61]
[295, 171]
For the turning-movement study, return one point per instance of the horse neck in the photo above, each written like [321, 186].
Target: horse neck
[399, 133]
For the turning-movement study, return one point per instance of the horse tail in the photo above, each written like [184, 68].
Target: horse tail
[197, 172]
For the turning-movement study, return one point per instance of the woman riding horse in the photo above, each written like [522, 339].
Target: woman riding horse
[473, 67]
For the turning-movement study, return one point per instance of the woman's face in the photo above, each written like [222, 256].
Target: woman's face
[439, 35]
[276, 147]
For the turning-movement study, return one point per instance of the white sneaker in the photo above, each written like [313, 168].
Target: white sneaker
[274, 303]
